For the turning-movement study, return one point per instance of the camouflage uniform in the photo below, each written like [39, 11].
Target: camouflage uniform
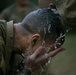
[8, 61]
[67, 10]
[12, 13]
[8, 14]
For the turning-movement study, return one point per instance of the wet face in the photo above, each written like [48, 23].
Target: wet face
[29, 43]
[35, 41]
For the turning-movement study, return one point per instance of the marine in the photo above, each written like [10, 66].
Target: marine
[26, 39]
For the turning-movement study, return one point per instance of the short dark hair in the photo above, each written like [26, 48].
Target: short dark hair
[46, 22]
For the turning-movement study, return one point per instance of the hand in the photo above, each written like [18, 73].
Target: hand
[40, 57]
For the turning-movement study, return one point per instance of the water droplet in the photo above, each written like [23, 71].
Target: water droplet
[49, 61]
[55, 46]
[44, 30]
[49, 27]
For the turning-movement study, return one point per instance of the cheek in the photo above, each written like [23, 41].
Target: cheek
[23, 44]
[31, 49]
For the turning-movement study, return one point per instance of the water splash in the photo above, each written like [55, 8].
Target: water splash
[49, 27]
[61, 38]
[43, 41]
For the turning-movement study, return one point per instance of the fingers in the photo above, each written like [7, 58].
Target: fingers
[38, 52]
[41, 50]
[41, 59]
[34, 61]
[44, 58]
[32, 58]
[54, 52]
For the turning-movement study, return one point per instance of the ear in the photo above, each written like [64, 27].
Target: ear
[35, 39]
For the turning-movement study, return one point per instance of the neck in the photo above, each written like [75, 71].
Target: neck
[17, 48]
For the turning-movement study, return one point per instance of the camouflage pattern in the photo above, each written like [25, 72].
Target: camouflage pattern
[2, 48]
[8, 59]
[12, 13]
[67, 10]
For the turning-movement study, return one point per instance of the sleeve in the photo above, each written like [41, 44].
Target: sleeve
[70, 13]
[67, 10]
[2, 48]
[2, 62]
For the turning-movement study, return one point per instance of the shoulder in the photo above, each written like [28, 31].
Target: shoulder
[2, 23]
[59, 2]
[3, 29]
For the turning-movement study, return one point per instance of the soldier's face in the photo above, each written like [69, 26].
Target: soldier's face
[30, 43]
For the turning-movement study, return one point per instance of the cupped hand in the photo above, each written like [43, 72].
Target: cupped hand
[40, 57]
